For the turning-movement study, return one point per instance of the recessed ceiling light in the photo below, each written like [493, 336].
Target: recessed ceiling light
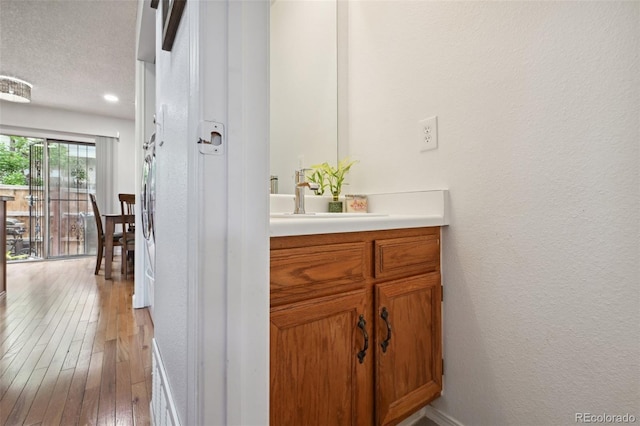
[110, 98]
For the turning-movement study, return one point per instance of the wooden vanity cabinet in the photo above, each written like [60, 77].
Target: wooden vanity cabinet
[314, 379]
[355, 327]
[409, 372]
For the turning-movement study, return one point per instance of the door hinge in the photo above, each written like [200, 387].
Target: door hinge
[442, 365]
[442, 293]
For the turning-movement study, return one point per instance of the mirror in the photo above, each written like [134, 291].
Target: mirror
[304, 86]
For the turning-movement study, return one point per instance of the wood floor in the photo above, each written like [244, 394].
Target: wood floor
[72, 348]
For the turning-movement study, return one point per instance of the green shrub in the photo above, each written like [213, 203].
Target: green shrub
[14, 178]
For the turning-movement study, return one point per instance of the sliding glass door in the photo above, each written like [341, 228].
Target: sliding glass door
[72, 177]
[51, 216]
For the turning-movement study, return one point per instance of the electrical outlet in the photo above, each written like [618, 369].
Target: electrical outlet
[428, 133]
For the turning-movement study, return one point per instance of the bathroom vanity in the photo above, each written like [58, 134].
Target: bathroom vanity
[355, 319]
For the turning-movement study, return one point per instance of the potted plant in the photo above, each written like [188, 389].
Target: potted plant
[332, 178]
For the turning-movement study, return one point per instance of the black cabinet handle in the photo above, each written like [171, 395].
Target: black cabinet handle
[385, 316]
[361, 325]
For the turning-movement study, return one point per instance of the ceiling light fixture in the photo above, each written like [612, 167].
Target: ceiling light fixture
[14, 89]
[110, 98]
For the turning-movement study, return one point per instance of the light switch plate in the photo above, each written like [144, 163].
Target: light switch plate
[428, 133]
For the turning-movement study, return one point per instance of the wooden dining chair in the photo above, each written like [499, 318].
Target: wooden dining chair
[128, 238]
[101, 242]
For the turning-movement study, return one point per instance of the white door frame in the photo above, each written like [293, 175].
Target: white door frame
[228, 336]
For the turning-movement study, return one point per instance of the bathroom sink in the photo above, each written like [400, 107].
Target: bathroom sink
[324, 215]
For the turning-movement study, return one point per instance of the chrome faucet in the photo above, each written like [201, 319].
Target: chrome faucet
[300, 185]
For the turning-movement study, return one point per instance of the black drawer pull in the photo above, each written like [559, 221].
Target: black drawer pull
[385, 316]
[361, 325]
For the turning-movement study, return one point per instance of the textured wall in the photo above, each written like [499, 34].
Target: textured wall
[539, 129]
[170, 296]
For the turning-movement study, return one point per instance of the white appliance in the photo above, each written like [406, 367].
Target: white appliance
[147, 210]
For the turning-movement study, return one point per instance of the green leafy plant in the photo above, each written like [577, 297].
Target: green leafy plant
[318, 176]
[327, 176]
[14, 178]
[15, 152]
[14, 159]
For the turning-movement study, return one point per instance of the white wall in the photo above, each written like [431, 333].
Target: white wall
[212, 245]
[170, 297]
[32, 120]
[539, 129]
[150, 100]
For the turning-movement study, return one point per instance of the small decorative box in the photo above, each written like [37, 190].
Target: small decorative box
[356, 203]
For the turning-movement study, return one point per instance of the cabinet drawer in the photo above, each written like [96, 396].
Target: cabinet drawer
[306, 272]
[396, 257]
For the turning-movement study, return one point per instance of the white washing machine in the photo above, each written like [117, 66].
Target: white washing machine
[147, 210]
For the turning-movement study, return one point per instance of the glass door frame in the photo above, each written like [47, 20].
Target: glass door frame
[49, 252]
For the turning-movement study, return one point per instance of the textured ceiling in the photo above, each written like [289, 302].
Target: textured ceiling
[72, 51]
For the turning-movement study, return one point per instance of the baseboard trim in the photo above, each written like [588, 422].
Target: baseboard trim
[135, 301]
[439, 417]
[163, 409]
[412, 418]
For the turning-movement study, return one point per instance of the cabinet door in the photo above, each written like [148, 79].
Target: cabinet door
[316, 375]
[408, 351]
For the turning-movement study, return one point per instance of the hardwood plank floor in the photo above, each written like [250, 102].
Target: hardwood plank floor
[73, 351]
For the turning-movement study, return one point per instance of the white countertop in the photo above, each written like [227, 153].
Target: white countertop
[422, 208]
[305, 226]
